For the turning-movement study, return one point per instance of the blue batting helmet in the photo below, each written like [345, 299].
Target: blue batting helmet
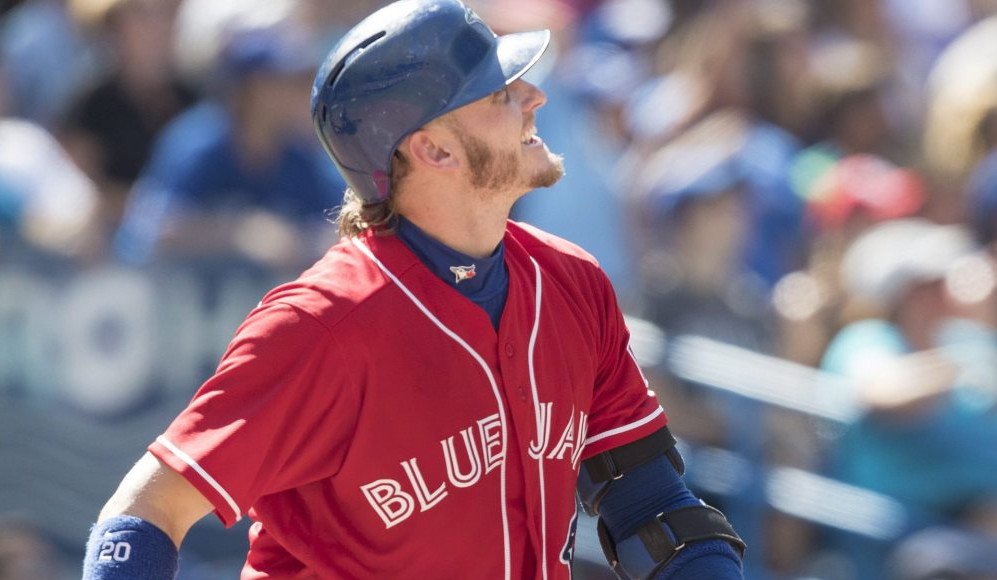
[400, 68]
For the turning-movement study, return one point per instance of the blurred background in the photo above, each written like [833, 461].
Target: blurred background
[795, 199]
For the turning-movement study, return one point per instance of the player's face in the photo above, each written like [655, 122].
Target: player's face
[502, 149]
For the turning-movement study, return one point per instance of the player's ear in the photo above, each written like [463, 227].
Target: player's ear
[431, 148]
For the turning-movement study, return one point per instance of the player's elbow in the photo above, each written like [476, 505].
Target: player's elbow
[155, 493]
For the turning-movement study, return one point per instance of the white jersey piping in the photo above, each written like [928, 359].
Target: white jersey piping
[539, 417]
[488, 373]
[624, 428]
[162, 440]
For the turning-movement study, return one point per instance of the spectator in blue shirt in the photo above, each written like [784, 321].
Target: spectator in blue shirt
[239, 173]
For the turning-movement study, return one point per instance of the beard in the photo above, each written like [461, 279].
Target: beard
[496, 171]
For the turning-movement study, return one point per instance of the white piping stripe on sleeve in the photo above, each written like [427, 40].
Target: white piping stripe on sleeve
[507, 553]
[625, 428]
[200, 471]
[540, 426]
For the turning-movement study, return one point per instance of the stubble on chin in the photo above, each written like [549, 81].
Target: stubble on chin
[551, 174]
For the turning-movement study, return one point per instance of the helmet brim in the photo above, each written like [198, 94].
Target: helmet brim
[518, 52]
[514, 54]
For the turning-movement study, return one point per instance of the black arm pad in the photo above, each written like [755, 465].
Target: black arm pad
[598, 472]
[658, 541]
[614, 463]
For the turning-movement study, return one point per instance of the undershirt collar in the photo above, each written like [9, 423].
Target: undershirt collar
[484, 281]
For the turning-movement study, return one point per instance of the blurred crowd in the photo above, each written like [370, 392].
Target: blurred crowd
[814, 180]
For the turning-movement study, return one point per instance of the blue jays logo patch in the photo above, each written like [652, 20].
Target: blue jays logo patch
[462, 273]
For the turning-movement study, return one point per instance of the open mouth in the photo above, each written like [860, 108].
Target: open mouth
[530, 138]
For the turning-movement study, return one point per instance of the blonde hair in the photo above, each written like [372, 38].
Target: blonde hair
[355, 216]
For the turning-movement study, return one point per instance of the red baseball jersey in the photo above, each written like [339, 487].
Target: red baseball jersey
[373, 422]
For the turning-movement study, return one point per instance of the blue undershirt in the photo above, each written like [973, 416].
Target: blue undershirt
[646, 491]
[487, 287]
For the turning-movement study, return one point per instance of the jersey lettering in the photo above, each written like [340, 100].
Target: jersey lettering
[389, 501]
[583, 427]
[490, 430]
[572, 437]
[426, 498]
[567, 440]
[450, 456]
[464, 464]
[537, 448]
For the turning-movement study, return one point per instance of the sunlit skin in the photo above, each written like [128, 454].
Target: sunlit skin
[502, 160]
[469, 167]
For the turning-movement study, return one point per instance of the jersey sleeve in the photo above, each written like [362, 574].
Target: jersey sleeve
[277, 414]
[624, 409]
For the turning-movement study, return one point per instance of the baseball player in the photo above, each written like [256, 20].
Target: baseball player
[427, 399]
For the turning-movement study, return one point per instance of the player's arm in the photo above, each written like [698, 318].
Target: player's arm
[650, 524]
[142, 525]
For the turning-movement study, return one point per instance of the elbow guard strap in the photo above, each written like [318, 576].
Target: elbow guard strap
[598, 472]
[657, 542]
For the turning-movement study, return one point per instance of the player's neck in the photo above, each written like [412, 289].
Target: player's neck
[475, 235]
[462, 221]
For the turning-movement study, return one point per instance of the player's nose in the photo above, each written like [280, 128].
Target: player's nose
[531, 97]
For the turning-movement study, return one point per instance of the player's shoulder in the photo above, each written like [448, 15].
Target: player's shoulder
[334, 288]
[540, 243]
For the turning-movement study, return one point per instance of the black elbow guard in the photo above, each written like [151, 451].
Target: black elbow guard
[657, 542]
[598, 473]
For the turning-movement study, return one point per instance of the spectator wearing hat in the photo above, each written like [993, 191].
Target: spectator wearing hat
[920, 439]
[695, 205]
[111, 127]
[239, 172]
[850, 83]
[848, 196]
[744, 58]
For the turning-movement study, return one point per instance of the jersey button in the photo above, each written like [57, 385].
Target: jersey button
[509, 349]
[522, 392]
